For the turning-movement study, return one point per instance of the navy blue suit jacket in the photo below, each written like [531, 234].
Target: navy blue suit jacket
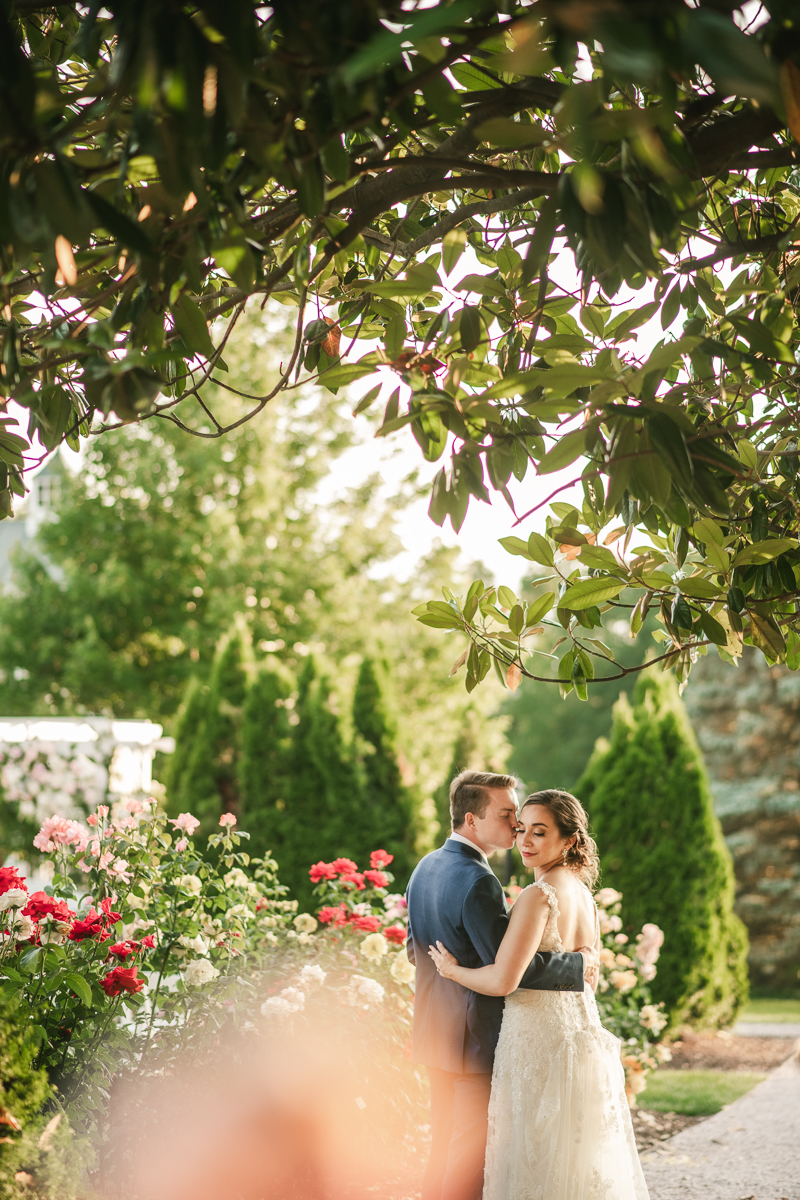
[455, 897]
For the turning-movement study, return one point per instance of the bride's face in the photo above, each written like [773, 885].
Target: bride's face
[539, 841]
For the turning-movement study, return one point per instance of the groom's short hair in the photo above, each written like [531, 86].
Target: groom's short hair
[469, 793]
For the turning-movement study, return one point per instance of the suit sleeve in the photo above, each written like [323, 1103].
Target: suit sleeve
[486, 921]
[412, 958]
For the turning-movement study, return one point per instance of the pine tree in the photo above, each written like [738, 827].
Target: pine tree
[264, 763]
[323, 786]
[385, 817]
[661, 845]
[209, 784]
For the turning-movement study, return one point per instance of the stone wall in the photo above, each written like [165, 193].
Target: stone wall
[747, 721]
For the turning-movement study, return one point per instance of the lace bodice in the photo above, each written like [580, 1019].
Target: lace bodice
[551, 938]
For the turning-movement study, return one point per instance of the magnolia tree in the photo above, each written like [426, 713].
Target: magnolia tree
[160, 167]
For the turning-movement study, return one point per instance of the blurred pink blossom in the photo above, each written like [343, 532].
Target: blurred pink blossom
[186, 822]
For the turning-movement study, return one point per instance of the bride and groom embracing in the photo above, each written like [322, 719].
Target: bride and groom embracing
[527, 1088]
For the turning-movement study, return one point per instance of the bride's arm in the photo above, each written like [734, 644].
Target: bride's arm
[525, 929]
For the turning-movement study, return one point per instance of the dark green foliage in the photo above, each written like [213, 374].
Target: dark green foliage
[324, 796]
[661, 845]
[209, 784]
[191, 719]
[552, 739]
[385, 818]
[466, 756]
[264, 762]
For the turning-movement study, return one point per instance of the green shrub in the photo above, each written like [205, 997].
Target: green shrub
[44, 1155]
[386, 813]
[208, 784]
[661, 845]
[264, 764]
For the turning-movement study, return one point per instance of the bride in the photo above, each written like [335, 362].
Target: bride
[559, 1125]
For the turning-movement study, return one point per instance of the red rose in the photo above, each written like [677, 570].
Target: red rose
[396, 934]
[11, 878]
[123, 949]
[376, 878]
[365, 924]
[111, 917]
[41, 905]
[322, 870]
[356, 879]
[121, 979]
[344, 866]
[337, 916]
[379, 858]
[149, 942]
[89, 926]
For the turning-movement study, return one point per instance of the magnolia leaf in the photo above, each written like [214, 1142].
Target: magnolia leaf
[513, 677]
[586, 593]
[767, 636]
[764, 552]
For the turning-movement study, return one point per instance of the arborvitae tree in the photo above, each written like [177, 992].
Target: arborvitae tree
[264, 764]
[323, 786]
[661, 845]
[209, 784]
[385, 817]
[191, 719]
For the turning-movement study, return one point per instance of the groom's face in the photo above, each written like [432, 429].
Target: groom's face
[496, 829]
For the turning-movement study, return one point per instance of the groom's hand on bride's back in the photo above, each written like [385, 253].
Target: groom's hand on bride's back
[591, 966]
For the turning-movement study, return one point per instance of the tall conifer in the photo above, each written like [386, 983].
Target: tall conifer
[661, 845]
[209, 785]
[323, 786]
[264, 777]
[385, 815]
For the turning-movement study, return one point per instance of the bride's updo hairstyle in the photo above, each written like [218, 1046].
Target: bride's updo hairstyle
[571, 821]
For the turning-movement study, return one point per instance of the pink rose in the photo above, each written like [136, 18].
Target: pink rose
[227, 819]
[186, 822]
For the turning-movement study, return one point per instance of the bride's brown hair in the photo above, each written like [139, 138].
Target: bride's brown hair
[571, 821]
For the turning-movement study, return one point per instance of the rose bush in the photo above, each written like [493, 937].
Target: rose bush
[623, 996]
[143, 953]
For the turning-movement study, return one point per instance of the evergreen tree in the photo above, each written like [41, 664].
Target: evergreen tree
[209, 784]
[661, 845]
[466, 756]
[386, 816]
[191, 718]
[323, 786]
[264, 764]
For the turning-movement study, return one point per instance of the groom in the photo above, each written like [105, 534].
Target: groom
[455, 897]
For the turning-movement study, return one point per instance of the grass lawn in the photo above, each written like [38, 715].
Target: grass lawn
[772, 1011]
[695, 1093]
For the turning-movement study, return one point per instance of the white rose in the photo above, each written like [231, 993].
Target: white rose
[313, 973]
[364, 991]
[236, 878]
[374, 946]
[197, 943]
[276, 1007]
[304, 923]
[607, 896]
[305, 939]
[270, 938]
[652, 1018]
[191, 883]
[16, 898]
[21, 928]
[239, 910]
[401, 970]
[135, 901]
[54, 935]
[199, 971]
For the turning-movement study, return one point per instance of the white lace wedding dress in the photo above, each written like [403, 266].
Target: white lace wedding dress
[559, 1125]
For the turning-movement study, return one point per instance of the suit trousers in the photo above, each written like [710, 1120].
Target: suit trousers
[459, 1122]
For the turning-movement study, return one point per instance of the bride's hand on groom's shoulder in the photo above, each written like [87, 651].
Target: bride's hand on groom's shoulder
[591, 966]
[443, 960]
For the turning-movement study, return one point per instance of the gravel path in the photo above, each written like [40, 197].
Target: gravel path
[767, 1029]
[749, 1151]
